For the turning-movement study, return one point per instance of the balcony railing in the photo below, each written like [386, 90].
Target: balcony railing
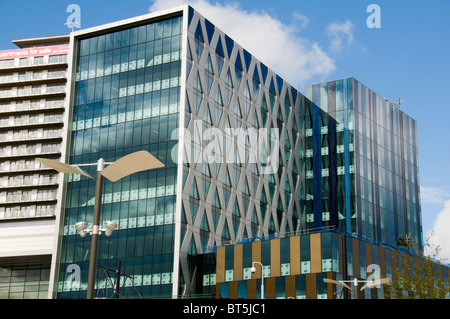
[31, 106]
[30, 136]
[28, 151]
[27, 211]
[36, 62]
[31, 120]
[22, 166]
[30, 181]
[32, 92]
[27, 197]
[32, 77]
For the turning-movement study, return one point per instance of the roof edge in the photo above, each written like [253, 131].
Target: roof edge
[42, 41]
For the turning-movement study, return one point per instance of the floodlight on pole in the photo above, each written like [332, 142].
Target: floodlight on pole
[82, 228]
[110, 227]
[127, 165]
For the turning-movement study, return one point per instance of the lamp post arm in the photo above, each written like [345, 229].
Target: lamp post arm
[63, 167]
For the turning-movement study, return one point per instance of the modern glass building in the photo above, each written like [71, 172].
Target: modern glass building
[247, 158]
[135, 82]
[362, 164]
[125, 97]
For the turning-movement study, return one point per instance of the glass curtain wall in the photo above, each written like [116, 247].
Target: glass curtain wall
[387, 181]
[361, 163]
[329, 156]
[126, 99]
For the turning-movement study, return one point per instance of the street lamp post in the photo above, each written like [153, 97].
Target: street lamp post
[253, 270]
[95, 229]
[127, 165]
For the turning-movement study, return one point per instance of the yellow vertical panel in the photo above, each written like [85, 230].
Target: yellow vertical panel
[316, 258]
[311, 286]
[220, 264]
[270, 286]
[237, 265]
[295, 255]
[233, 290]
[256, 256]
[290, 287]
[218, 291]
[275, 268]
[331, 288]
[251, 289]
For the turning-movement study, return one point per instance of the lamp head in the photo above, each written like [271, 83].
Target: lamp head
[110, 227]
[253, 270]
[81, 228]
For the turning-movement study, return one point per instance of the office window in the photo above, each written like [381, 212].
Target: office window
[24, 281]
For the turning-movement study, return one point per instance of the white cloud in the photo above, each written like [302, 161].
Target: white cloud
[300, 21]
[341, 35]
[434, 195]
[279, 46]
[440, 235]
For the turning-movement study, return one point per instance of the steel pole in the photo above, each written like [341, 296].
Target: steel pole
[262, 277]
[262, 284]
[95, 230]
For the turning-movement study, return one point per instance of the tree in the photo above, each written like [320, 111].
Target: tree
[417, 275]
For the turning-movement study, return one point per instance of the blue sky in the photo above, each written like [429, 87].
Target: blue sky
[407, 57]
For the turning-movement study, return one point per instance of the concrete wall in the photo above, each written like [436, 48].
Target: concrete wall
[25, 238]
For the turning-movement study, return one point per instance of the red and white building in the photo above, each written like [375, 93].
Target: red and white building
[32, 95]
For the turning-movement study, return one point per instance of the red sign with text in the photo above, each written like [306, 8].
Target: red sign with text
[55, 49]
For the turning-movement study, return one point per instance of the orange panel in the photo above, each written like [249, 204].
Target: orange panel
[295, 255]
[238, 255]
[220, 266]
[275, 268]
